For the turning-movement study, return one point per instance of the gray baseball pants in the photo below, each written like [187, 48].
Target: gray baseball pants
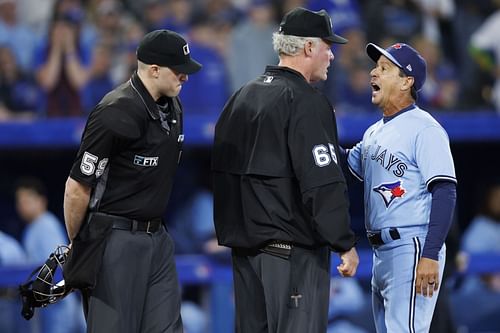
[276, 295]
[137, 289]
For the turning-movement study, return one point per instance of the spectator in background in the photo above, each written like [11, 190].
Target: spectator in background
[344, 13]
[43, 233]
[477, 303]
[193, 225]
[111, 23]
[134, 31]
[16, 35]
[223, 10]
[193, 232]
[11, 254]
[348, 307]
[99, 82]
[449, 88]
[354, 94]
[135, 7]
[470, 15]
[62, 61]
[398, 18]
[37, 19]
[437, 17]
[440, 91]
[485, 49]
[250, 49]
[180, 13]
[483, 233]
[154, 14]
[19, 94]
[208, 91]
[442, 320]
[288, 5]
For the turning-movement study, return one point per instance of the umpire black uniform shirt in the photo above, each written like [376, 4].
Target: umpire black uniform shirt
[276, 168]
[130, 151]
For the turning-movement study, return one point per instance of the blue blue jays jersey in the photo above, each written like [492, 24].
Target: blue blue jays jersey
[397, 161]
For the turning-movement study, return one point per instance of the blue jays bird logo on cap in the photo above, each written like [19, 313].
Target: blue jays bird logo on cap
[390, 191]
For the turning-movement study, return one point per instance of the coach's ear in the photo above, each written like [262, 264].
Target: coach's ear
[408, 82]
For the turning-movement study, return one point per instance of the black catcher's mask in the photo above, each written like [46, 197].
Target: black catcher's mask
[40, 289]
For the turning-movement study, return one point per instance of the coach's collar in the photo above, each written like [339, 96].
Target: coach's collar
[408, 108]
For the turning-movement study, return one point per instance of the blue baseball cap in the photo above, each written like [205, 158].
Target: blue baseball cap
[405, 57]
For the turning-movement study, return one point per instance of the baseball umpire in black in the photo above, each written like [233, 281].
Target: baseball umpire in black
[121, 179]
[280, 198]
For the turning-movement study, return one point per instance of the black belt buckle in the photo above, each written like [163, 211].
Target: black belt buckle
[153, 226]
[375, 238]
[278, 249]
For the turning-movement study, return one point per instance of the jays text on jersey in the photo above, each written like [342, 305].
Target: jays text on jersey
[402, 158]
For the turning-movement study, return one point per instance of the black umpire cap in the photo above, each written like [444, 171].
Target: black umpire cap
[306, 23]
[167, 49]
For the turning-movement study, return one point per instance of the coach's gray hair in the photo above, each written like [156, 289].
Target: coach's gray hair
[290, 45]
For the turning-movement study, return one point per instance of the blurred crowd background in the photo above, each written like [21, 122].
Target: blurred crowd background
[58, 58]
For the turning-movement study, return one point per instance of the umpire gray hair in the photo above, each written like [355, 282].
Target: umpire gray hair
[290, 45]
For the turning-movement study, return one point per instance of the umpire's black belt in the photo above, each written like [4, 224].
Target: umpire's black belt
[278, 248]
[124, 223]
[375, 237]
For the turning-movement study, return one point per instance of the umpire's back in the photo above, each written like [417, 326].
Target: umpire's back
[257, 194]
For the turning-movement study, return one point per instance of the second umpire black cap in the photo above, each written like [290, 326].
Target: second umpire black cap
[167, 48]
[306, 23]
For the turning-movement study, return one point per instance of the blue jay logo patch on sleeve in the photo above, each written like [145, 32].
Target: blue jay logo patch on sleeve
[390, 191]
